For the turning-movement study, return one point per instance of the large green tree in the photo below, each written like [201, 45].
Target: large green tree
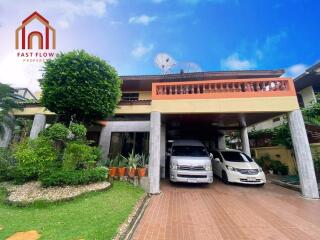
[80, 87]
[8, 102]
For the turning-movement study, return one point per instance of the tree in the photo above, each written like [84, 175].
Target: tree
[8, 102]
[311, 114]
[80, 87]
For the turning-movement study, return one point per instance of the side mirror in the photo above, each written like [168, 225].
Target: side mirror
[211, 156]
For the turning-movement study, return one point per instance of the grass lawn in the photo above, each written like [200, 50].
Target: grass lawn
[92, 216]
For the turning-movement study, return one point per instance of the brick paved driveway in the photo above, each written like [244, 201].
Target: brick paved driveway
[219, 211]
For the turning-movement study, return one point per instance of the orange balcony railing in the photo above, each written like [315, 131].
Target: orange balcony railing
[229, 88]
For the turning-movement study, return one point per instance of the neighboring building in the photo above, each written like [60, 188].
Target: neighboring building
[24, 95]
[307, 86]
[156, 109]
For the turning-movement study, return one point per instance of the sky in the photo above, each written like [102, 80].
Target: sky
[197, 35]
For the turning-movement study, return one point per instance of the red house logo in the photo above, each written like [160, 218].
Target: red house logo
[43, 39]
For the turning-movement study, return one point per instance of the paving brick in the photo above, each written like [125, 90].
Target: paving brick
[228, 212]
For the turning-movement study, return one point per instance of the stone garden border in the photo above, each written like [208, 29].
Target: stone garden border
[127, 229]
[10, 189]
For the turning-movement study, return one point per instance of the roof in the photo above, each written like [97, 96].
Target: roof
[187, 142]
[143, 82]
[207, 75]
[310, 77]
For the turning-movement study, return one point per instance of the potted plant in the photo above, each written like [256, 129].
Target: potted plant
[123, 163]
[132, 164]
[141, 166]
[113, 167]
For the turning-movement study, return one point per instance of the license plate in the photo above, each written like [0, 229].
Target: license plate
[251, 179]
[192, 180]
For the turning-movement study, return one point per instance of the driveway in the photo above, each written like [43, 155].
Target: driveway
[219, 211]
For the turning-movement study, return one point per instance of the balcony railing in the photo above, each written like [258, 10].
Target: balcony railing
[233, 88]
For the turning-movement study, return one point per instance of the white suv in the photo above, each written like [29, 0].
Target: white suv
[237, 167]
[190, 162]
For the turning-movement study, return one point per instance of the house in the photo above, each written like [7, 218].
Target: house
[156, 109]
[308, 85]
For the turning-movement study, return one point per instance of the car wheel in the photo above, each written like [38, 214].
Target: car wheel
[225, 177]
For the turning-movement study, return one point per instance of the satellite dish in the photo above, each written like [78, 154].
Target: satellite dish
[165, 62]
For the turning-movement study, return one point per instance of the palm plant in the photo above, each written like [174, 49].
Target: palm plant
[133, 160]
[142, 160]
[122, 161]
[8, 101]
[22, 129]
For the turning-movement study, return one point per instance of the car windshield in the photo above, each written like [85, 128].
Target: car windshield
[236, 157]
[189, 151]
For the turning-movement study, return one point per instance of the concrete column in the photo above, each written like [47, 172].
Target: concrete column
[105, 139]
[303, 155]
[163, 151]
[6, 138]
[39, 123]
[245, 141]
[222, 142]
[155, 152]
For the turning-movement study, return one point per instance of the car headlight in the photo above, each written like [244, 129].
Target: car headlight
[208, 168]
[231, 168]
[174, 166]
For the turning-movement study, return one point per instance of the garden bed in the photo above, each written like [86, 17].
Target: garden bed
[95, 215]
[32, 191]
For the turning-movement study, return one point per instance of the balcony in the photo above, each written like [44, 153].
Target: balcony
[233, 88]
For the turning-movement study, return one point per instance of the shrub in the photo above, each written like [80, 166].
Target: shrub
[7, 162]
[78, 130]
[264, 162]
[79, 155]
[56, 132]
[78, 177]
[33, 157]
[279, 167]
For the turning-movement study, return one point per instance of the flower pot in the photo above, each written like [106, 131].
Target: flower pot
[121, 171]
[141, 172]
[132, 172]
[112, 171]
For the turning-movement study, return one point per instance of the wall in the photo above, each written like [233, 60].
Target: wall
[277, 153]
[315, 149]
[227, 105]
[145, 95]
[285, 155]
[268, 124]
[308, 96]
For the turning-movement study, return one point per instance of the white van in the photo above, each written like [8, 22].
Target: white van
[190, 162]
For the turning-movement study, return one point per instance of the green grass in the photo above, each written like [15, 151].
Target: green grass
[92, 216]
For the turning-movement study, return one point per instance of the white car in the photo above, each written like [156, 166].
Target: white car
[237, 167]
[190, 162]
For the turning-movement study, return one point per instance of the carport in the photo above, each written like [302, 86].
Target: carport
[208, 128]
[217, 123]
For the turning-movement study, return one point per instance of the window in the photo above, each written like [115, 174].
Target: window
[236, 157]
[189, 151]
[130, 97]
[276, 119]
[124, 142]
